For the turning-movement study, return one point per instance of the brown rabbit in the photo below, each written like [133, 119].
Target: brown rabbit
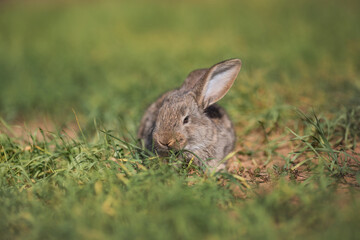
[188, 119]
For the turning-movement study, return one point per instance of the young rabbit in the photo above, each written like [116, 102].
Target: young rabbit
[188, 119]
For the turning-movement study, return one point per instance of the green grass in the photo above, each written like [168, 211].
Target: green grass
[108, 188]
[298, 170]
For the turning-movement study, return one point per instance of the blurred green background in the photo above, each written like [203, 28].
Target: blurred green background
[109, 59]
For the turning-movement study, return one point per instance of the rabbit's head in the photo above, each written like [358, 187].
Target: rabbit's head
[182, 121]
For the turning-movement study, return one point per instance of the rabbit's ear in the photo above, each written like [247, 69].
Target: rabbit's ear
[217, 82]
[192, 79]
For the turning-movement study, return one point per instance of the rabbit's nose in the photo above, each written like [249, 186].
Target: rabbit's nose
[167, 143]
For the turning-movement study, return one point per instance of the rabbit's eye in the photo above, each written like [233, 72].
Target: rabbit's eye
[186, 120]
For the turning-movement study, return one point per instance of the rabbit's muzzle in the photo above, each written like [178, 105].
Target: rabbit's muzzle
[169, 141]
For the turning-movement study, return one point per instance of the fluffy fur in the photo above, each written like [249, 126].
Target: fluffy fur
[188, 118]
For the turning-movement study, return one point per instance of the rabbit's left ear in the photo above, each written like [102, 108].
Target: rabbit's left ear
[193, 78]
[217, 82]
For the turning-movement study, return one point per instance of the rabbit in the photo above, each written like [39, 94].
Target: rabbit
[189, 119]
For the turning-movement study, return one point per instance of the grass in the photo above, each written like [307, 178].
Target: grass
[94, 67]
[108, 188]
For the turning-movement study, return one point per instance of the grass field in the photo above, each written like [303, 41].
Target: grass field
[76, 77]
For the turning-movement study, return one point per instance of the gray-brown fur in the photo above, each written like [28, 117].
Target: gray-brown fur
[208, 132]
